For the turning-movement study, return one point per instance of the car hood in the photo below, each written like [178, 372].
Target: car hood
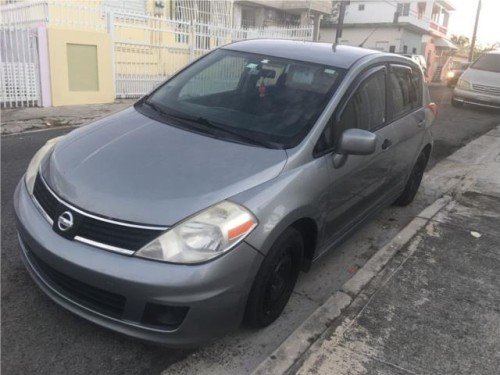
[482, 77]
[130, 167]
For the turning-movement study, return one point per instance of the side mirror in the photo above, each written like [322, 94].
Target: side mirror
[354, 142]
[357, 142]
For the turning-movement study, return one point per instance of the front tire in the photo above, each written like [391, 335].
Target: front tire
[413, 182]
[275, 280]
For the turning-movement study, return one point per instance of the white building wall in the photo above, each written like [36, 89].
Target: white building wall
[237, 16]
[413, 41]
[374, 12]
[377, 11]
[376, 38]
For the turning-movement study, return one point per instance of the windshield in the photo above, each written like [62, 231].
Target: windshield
[245, 97]
[489, 62]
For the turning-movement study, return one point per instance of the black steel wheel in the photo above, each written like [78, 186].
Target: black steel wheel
[413, 182]
[275, 280]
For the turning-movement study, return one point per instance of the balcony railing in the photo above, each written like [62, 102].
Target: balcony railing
[420, 23]
[440, 29]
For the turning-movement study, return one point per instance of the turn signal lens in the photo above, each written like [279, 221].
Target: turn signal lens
[35, 162]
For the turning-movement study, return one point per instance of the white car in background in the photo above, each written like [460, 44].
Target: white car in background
[419, 59]
[480, 83]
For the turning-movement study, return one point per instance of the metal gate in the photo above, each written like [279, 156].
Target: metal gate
[147, 50]
[19, 67]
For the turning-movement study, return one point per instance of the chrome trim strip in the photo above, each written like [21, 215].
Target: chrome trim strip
[42, 211]
[104, 246]
[480, 104]
[158, 228]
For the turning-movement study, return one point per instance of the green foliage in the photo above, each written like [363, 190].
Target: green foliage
[332, 18]
[463, 43]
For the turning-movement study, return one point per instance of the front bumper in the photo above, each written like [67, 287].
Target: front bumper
[79, 277]
[477, 98]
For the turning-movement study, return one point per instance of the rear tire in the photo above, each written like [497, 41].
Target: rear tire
[413, 182]
[275, 280]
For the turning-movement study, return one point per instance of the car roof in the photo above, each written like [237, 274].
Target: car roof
[321, 53]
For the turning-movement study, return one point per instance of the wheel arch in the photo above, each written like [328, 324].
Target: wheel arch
[301, 220]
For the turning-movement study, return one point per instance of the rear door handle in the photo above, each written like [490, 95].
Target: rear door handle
[386, 144]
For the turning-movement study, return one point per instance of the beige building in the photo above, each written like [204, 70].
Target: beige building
[93, 51]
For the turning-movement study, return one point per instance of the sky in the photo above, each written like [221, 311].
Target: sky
[462, 20]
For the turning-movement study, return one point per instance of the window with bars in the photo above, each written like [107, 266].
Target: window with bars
[403, 9]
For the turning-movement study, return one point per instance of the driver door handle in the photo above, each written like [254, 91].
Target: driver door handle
[386, 144]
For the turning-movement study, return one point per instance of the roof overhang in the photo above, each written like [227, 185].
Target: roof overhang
[444, 43]
[291, 6]
[403, 25]
[447, 4]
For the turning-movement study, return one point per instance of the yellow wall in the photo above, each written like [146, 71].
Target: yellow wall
[59, 74]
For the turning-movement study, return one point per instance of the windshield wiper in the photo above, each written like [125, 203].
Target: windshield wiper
[212, 127]
[155, 107]
[245, 138]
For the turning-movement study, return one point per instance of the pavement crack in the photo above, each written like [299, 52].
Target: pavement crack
[387, 363]
[307, 297]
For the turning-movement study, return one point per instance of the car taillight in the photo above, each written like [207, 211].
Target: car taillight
[433, 107]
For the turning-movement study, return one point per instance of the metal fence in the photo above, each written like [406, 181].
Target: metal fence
[19, 67]
[148, 50]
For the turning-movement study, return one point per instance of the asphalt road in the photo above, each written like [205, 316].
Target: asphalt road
[39, 337]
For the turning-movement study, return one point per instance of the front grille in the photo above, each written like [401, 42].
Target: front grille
[115, 235]
[46, 200]
[492, 90]
[101, 232]
[96, 299]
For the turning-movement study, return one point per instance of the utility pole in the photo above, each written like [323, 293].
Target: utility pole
[340, 23]
[473, 42]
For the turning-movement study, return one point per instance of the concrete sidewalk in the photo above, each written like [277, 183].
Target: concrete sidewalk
[16, 120]
[429, 301]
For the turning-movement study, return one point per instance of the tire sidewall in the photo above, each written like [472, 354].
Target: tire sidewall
[290, 241]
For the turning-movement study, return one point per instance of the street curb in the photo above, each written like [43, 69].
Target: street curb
[300, 340]
[30, 131]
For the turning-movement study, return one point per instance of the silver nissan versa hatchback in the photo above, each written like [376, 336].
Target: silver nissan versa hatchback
[176, 219]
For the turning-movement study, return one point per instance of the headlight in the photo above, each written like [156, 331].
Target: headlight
[463, 84]
[206, 235]
[32, 170]
[450, 74]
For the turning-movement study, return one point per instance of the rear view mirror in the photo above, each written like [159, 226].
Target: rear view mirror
[268, 73]
[357, 142]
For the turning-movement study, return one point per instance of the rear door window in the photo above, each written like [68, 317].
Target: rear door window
[405, 90]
